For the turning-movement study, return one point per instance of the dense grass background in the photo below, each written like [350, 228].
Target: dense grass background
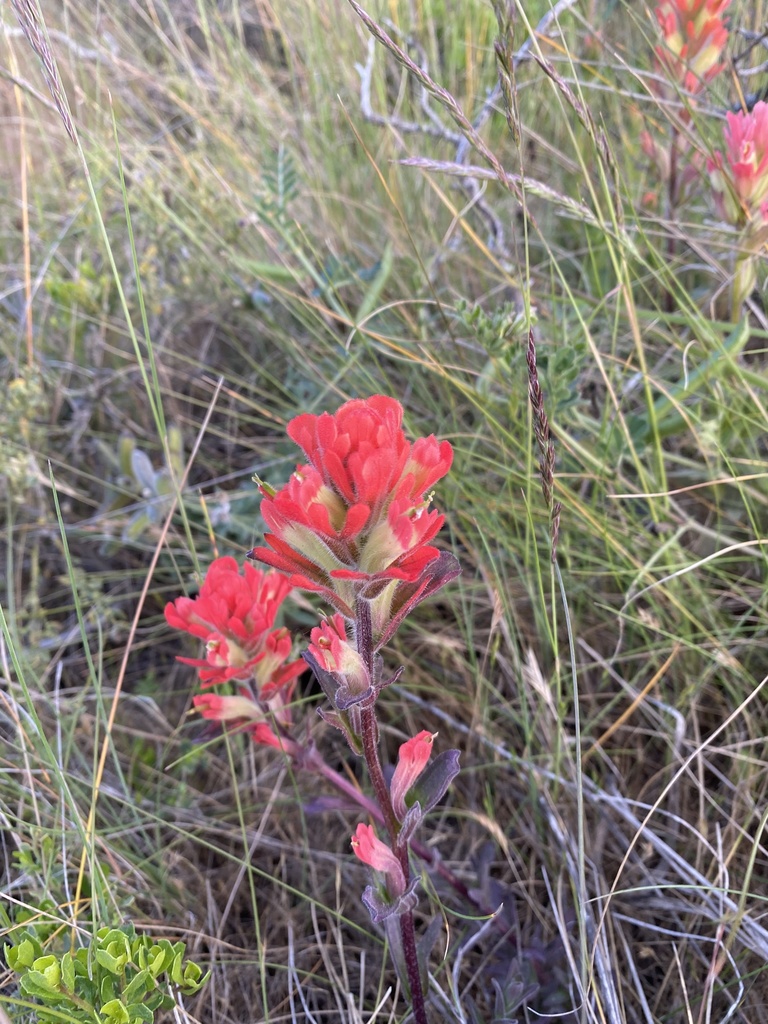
[232, 241]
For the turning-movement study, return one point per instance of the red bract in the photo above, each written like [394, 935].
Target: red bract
[246, 713]
[694, 40]
[370, 850]
[335, 654]
[411, 761]
[228, 709]
[362, 453]
[741, 188]
[233, 614]
[357, 515]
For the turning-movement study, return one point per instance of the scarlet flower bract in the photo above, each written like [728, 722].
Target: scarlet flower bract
[244, 711]
[411, 761]
[694, 39]
[334, 653]
[370, 850]
[233, 614]
[358, 512]
[741, 187]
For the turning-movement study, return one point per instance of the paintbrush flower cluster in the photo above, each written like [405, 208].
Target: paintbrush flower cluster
[690, 54]
[354, 521]
[355, 525]
[234, 615]
[740, 178]
[740, 186]
[693, 39]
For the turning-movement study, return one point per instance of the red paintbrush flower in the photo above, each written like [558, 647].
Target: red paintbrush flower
[740, 180]
[233, 614]
[694, 40]
[357, 515]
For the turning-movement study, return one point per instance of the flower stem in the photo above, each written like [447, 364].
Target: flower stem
[673, 189]
[370, 731]
[376, 772]
[344, 785]
[744, 279]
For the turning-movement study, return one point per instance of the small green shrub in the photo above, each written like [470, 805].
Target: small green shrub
[120, 978]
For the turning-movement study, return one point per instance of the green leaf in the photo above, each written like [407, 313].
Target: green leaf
[371, 297]
[138, 986]
[160, 957]
[140, 1012]
[194, 979]
[68, 972]
[107, 988]
[113, 964]
[116, 1012]
[175, 972]
[48, 967]
[119, 940]
[158, 1000]
[22, 956]
[34, 983]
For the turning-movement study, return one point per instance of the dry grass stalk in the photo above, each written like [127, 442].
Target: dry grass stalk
[544, 441]
[33, 27]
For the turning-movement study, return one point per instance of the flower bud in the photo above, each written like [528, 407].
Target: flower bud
[370, 850]
[335, 655]
[411, 761]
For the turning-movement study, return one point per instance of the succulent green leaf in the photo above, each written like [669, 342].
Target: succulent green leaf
[121, 939]
[22, 956]
[158, 1000]
[175, 972]
[160, 957]
[140, 1014]
[138, 987]
[68, 972]
[110, 963]
[48, 967]
[108, 990]
[116, 1012]
[34, 983]
[194, 978]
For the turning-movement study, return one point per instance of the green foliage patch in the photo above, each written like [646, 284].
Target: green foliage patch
[118, 978]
